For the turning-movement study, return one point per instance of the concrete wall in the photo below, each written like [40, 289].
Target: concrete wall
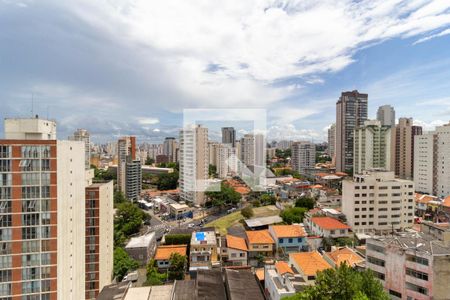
[106, 239]
[71, 220]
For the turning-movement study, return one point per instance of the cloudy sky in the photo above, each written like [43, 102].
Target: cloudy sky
[130, 67]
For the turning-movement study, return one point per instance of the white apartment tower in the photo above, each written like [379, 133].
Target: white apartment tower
[253, 150]
[432, 162]
[129, 172]
[170, 148]
[386, 115]
[194, 163]
[303, 156]
[84, 136]
[42, 213]
[372, 148]
[226, 160]
[377, 201]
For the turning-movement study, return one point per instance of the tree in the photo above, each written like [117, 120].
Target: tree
[247, 212]
[177, 266]
[267, 199]
[212, 170]
[167, 181]
[149, 161]
[306, 202]
[293, 214]
[123, 263]
[226, 195]
[153, 276]
[119, 197]
[343, 283]
[177, 239]
[129, 218]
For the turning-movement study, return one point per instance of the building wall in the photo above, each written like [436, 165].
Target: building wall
[443, 161]
[235, 257]
[378, 201]
[386, 115]
[303, 156]
[424, 158]
[71, 219]
[332, 142]
[403, 148]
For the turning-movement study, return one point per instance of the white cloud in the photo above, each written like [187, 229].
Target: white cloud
[429, 126]
[253, 43]
[291, 132]
[156, 130]
[424, 39]
[148, 121]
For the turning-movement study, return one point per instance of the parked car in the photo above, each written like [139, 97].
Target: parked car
[132, 276]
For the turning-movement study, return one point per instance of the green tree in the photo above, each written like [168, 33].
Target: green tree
[343, 283]
[153, 276]
[177, 239]
[226, 195]
[119, 197]
[123, 263]
[177, 266]
[247, 212]
[267, 199]
[167, 181]
[212, 170]
[149, 161]
[306, 202]
[128, 218]
[293, 214]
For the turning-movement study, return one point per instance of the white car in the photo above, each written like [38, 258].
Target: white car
[191, 225]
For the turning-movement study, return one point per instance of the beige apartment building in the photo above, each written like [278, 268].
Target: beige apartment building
[376, 201]
[403, 135]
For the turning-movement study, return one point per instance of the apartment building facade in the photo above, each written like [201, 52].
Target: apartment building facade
[303, 156]
[372, 146]
[377, 201]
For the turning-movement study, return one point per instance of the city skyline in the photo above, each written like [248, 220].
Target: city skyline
[134, 81]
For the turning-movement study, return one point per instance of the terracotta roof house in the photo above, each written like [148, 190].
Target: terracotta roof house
[290, 238]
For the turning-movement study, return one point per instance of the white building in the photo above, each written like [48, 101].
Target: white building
[332, 141]
[372, 147]
[194, 163]
[377, 201]
[253, 150]
[84, 136]
[303, 156]
[432, 162]
[226, 160]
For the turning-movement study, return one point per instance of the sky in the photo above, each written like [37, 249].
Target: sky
[121, 67]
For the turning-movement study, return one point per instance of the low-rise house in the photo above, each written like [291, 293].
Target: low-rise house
[203, 251]
[163, 254]
[142, 248]
[260, 242]
[329, 227]
[179, 210]
[234, 251]
[308, 264]
[242, 284]
[291, 238]
[338, 256]
[281, 281]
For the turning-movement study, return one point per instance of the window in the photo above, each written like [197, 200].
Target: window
[378, 275]
[31, 273]
[375, 248]
[375, 261]
[396, 294]
[417, 274]
[5, 151]
[416, 288]
[5, 262]
[290, 241]
[416, 259]
[5, 165]
[5, 275]
[5, 179]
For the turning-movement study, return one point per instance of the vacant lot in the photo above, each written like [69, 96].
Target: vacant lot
[234, 218]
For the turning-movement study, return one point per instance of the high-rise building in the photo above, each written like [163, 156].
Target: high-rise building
[253, 150]
[403, 148]
[351, 112]
[432, 162]
[42, 213]
[372, 147]
[229, 136]
[84, 136]
[170, 148]
[303, 156]
[213, 148]
[332, 141]
[386, 115]
[376, 201]
[99, 237]
[226, 160]
[194, 163]
[129, 172]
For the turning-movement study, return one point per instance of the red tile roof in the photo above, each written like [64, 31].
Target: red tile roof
[235, 242]
[329, 223]
[282, 231]
[283, 268]
[310, 262]
[164, 252]
[259, 237]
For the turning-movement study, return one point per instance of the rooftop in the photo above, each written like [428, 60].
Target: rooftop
[138, 293]
[259, 274]
[164, 252]
[203, 238]
[235, 242]
[283, 268]
[309, 262]
[142, 241]
[114, 291]
[288, 231]
[329, 223]
[161, 292]
[346, 255]
[259, 237]
[263, 221]
[184, 290]
[242, 284]
[210, 285]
